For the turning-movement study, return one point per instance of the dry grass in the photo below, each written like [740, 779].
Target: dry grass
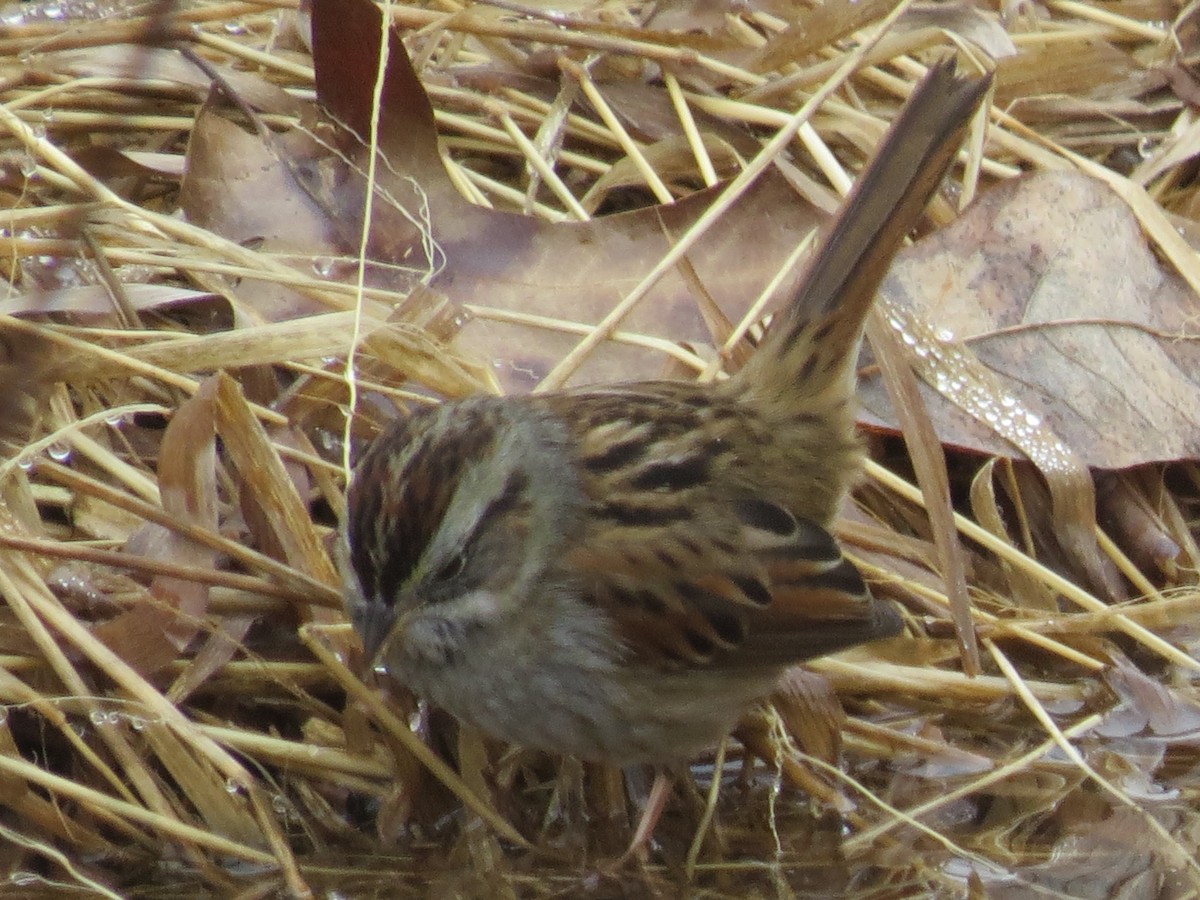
[176, 711]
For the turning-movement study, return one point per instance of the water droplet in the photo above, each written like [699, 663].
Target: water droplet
[1032, 420]
[324, 265]
[98, 717]
[59, 452]
[945, 334]
[29, 165]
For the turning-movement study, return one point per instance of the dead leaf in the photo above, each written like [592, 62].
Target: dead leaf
[981, 27]
[307, 200]
[150, 64]
[811, 712]
[1148, 707]
[818, 27]
[95, 300]
[1049, 282]
[151, 635]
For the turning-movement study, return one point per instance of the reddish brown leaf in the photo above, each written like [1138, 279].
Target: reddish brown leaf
[501, 261]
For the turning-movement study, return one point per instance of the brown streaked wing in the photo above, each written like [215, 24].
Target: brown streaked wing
[819, 602]
[752, 587]
[696, 569]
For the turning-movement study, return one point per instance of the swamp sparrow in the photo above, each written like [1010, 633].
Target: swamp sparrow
[616, 573]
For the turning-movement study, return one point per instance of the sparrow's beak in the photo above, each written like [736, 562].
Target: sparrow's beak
[373, 621]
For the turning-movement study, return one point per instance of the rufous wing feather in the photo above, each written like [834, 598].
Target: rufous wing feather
[760, 588]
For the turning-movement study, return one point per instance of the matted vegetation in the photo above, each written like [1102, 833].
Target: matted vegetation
[180, 701]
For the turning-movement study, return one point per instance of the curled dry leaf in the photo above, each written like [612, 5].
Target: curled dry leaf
[816, 28]
[1092, 75]
[1019, 278]
[1127, 514]
[1148, 707]
[262, 473]
[980, 26]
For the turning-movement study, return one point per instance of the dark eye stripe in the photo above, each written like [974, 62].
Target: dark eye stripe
[403, 486]
[509, 498]
[452, 568]
[506, 501]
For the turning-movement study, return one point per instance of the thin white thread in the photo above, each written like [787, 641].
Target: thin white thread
[351, 375]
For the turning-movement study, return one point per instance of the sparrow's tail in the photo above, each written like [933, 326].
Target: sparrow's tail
[814, 340]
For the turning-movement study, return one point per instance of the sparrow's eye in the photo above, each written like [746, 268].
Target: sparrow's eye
[451, 568]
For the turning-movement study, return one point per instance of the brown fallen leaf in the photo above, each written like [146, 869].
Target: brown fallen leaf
[150, 635]
[818, 27]
[1104, 854]
[94, 300]
[811, 713]
[1049, 282]
[1147, 707]
[303, 198]
[138, 62]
